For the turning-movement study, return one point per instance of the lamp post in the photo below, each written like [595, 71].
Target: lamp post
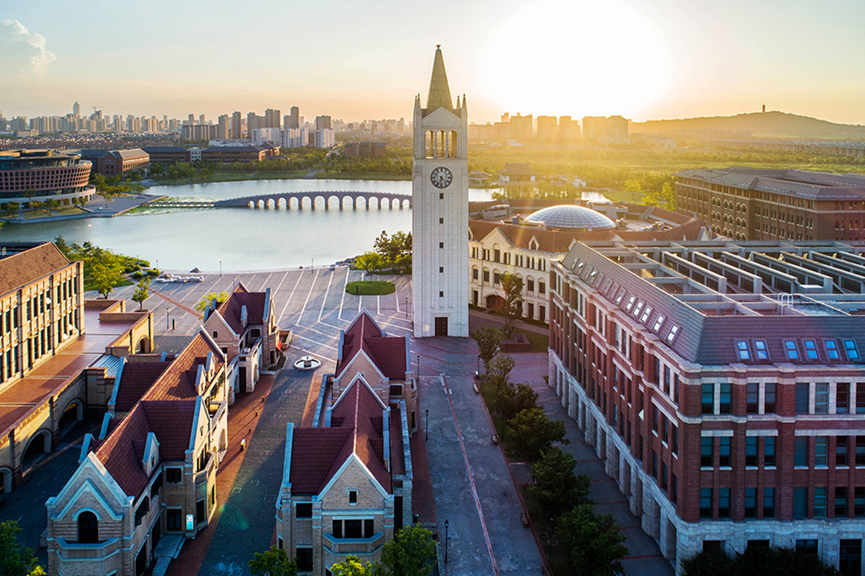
[446, 541]
[550, 546]
[220, 268]
[418, 367]
[406, 306]
[311, 264]
[167, 319]
[479, 364]
[426, 426]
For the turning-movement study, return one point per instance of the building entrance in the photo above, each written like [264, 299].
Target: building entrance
[441, 326]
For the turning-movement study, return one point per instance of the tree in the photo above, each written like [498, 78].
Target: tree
[488, 340]
[533, 432]
[389, 248]
[498, 370]
[594, 541]
[352, 566]
[61, 244]
[369, 261]
[412, 552]
[15, 558]
[274, 562]
[210, 297]
[758, 562]
[105, 277]
[557, 488]
[141, 294]
[513, 306]
[513, 399]
[12, 208]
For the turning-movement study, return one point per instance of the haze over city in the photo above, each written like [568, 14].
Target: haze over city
[644, 60]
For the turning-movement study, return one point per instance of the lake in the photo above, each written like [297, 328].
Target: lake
[242, 239]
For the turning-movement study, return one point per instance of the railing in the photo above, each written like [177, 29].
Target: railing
[76, 551]
[354, 545]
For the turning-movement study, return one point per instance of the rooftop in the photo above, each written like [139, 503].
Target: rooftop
[570, 217]
[800, 183]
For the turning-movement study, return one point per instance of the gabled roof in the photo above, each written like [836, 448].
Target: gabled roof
[388, 353]
[30, 265]
[231, 309]
[136, 379]
[356, 428]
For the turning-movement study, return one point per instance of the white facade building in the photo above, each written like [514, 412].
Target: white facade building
[440, 188]
[324, 138]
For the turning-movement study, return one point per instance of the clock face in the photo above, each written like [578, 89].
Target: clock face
[441, 177]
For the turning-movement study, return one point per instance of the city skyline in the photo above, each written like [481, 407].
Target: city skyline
[650, 60]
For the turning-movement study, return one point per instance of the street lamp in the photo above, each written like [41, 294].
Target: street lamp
[220, 268]
[550, 547]
[426, 426]
[311, 264]
[418, 367]
[406, 306]
[446, 541]
[479, 365]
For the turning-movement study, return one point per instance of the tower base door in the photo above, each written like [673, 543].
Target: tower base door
[441, 326]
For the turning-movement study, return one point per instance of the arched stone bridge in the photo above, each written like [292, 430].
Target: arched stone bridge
[295, 200]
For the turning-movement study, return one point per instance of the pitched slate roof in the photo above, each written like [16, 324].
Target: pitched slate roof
[356, 428]
[136, 379]
[388, 353]
[30, 265]
[231, 309]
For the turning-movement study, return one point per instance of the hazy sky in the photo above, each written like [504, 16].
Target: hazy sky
[646, 59]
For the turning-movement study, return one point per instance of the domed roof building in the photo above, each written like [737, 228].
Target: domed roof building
[570, 217]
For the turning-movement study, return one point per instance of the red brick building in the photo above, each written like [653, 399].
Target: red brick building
[117, 162]
[168, 154]
[365, 149]
[238, 153]
[723, 385]
[747, 204]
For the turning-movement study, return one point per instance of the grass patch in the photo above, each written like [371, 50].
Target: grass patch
[539, 342]
[361, 176]
[232, 177]
[370, 287]
[70, 211]
[90, 285]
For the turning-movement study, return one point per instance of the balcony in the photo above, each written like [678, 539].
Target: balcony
[75, 551]
[354, 545]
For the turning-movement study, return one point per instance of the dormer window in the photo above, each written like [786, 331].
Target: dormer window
[620, 296]
[742, 350]
[851, 350]
[832, 350]
[762, 351]
[638, 308]
[646, 314]
[630, 303]
[658, 323]
[811, 350]
[672, 334]
[792, 350]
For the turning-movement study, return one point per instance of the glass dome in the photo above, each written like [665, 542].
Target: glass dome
[570, 217]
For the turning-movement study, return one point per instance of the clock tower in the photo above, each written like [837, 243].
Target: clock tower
[440, 211]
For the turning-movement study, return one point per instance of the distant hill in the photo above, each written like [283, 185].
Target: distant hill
[762, 125]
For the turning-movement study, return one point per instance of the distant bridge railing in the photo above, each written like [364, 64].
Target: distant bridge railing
[295, 200]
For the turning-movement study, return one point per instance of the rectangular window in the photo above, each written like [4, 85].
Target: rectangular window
[860, 398]
[800, 453]
[800, 502]
[821, 398]
[352, 496]
[303, 510]
[832, 349]
[474, 273]
[769, 399]
[750, 502]
[821, 451]
[353, 528]
[707, 398]
[723, 503]
[802, 392]
[768, 502]
[811, 350]
[724, 459]
[674, 490]
[840, 501]
[762, 350]
[860, 450]
[819, 502]
[753, 397]
[842, 398]
[646, 314]
[842, 458]
[705, 502]
[706, 448]
[654, 464]
[726, 398]
[851, 350]
[751, 451]
[859, 502]
[664, 476]
[672, 335]
[792, 351]
[658, 323]
[675, 447]
[807, 547]
[742, 350]
[173, 475]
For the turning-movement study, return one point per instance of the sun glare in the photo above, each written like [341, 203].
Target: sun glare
[576, 58]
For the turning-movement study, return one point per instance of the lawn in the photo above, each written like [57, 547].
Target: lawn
[370, 287]
[90, 285]
[539, 342]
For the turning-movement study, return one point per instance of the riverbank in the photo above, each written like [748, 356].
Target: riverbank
[99, 207]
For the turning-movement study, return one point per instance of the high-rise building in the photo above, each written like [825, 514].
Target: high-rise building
[251, 123]
[271, 118]
[236, 127]
[569, 129]
[223, 130]
[324, 138]
[722, 385]
[547, 127]
[440, 185]
[191, 119]
[322, 123]
[76, 109]
[521, 127]
[201, 119]
[601, 130]
[295, 117]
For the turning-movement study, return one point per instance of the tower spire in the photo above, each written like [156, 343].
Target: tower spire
[439, 91]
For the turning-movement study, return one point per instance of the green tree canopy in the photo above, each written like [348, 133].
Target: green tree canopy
[512, 399]
[594, 540]
[758, 562]
[105, 277]
[274, 562]
[209, 297]
[534, 432]
[15, 558]
[141, 294]
[352, 566]
[369, 261]
[488, 340]
[557, 489]
[513, 306]
[412, 552]
[499, 369]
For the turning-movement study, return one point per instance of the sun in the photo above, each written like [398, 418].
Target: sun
[575, 58]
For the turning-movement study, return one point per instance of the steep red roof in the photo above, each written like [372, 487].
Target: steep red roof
[318, 453]
[117, 452]
[178, 380]
[135, 380]
[231, 309]
[386, 352]
[30, 265]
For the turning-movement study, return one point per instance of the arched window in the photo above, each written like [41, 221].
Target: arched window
[88, 528]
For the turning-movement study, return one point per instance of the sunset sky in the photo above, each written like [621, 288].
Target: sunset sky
[647, 59]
